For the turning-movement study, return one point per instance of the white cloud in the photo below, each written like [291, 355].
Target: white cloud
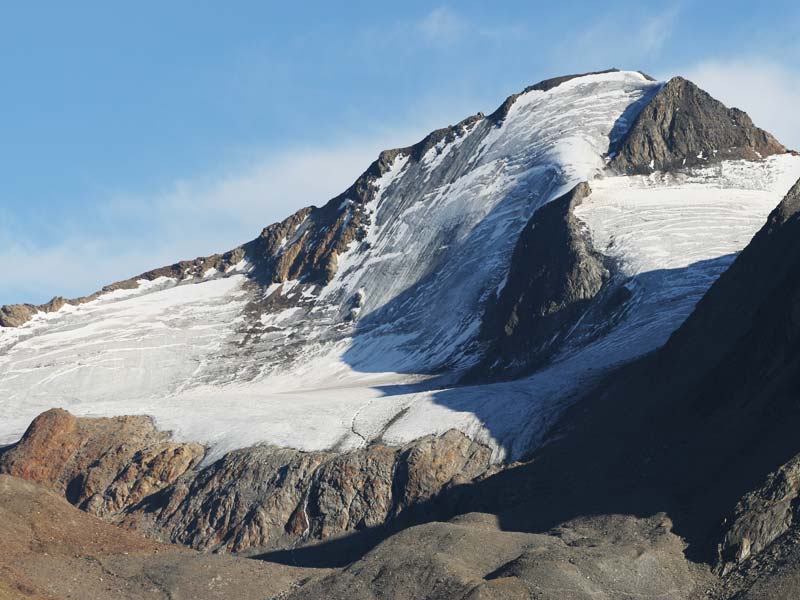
[768, 91]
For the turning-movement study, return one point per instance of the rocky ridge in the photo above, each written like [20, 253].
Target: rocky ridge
[684, 127]
[126, 471]
[307, 244]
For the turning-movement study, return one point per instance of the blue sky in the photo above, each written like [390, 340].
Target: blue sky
[135, 135]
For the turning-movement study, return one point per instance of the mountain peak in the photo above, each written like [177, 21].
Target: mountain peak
[683, 126]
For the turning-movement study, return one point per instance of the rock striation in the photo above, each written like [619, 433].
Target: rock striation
[266, 496]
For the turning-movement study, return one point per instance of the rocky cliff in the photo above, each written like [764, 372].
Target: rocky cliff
[124, 470]
[683, 127]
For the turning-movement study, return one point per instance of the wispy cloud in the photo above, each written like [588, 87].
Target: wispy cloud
[443, 24]
[656, 30]
[768, 91]
[621, 40]
[191, 217]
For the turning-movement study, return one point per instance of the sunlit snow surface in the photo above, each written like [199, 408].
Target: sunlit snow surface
[196, 357]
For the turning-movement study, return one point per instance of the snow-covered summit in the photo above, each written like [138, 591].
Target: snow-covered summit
[353, 321]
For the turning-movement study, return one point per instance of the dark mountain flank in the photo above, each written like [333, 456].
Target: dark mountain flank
[703, 430]
[553, 276]
[683, 126]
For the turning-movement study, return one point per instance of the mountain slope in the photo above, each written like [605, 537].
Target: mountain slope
[697, 440]
[687, 430]
[52, 550]
[703, 429]
[352, 322]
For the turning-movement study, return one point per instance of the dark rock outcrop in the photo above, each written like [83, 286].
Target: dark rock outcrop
[14, 315]
[683, 126]
[761, 517]
[553, 277]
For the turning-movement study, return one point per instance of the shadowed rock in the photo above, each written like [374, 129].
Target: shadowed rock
[553, 276]
[471, 557]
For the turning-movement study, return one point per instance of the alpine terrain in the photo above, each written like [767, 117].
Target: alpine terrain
[548, 352]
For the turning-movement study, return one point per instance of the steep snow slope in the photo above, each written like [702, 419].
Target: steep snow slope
[225, 361]
[673, 234]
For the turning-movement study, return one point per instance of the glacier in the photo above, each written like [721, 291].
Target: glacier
[376, 353]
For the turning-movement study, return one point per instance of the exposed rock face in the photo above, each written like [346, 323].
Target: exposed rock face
[14, 315]
[762, 516]
[553, 276]
[265, 496]
[683, 126]
[101, 465]
[125, 470]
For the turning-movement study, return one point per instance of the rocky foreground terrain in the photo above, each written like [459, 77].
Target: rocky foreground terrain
[53, 550]
[635, 389]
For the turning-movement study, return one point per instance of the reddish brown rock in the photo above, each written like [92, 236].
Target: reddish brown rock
[102, 465]
[126, 471]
